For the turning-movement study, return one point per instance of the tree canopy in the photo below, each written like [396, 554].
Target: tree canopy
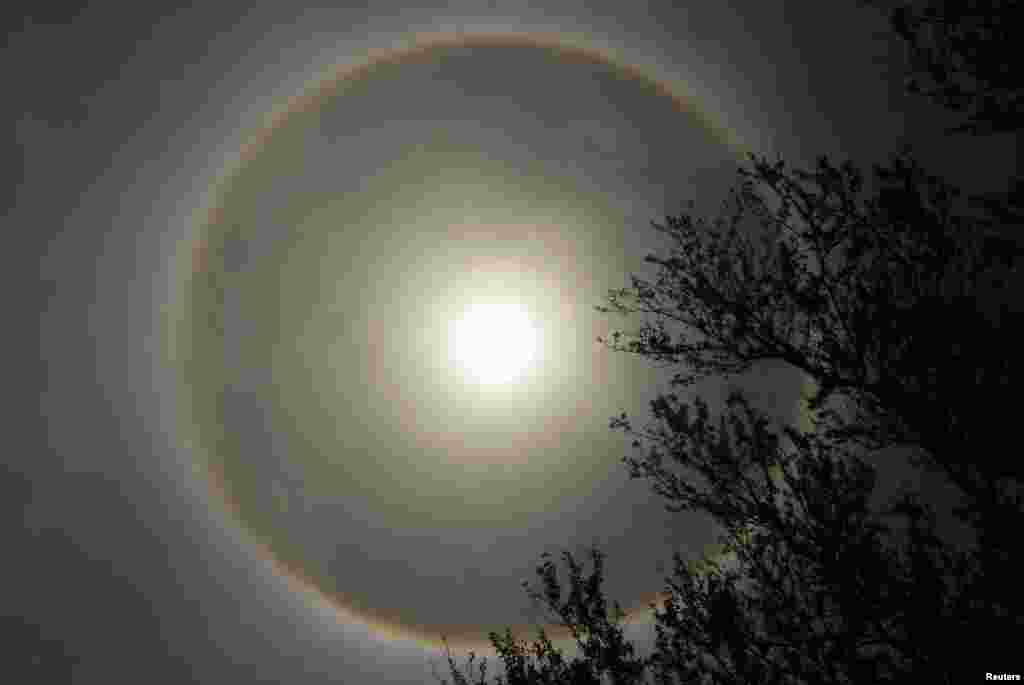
[961, 56]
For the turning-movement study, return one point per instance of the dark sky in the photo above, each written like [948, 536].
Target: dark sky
[346, 245]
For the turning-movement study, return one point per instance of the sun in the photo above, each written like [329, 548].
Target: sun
[493, 343]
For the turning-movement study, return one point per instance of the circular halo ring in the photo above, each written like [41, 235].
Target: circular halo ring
[422, 48]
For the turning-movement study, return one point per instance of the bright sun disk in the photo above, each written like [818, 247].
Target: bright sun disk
[494, 343]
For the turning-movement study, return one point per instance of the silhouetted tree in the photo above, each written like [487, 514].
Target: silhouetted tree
[962, 56]
[872, 299]
[895, 300]
[882, 301]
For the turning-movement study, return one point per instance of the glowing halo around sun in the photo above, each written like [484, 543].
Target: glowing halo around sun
[497, 342]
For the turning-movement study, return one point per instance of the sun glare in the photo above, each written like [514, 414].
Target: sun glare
[494, 343]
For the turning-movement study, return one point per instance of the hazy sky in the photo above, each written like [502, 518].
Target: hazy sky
[340, 252]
